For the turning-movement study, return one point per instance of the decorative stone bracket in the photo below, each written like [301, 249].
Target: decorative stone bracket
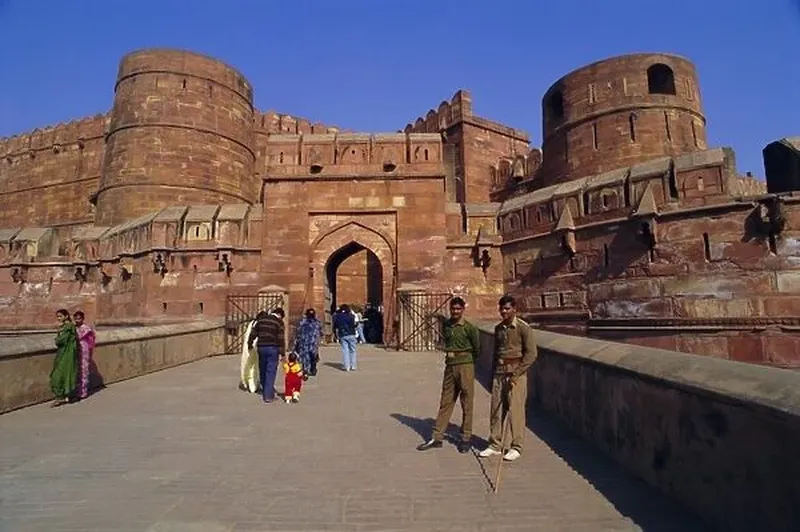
[645, 215]
[19, 274]
[565, 230]
[81, 272]
[647, 233]
[224, 261]
[481, 255]
[771, 217]
[159, 260]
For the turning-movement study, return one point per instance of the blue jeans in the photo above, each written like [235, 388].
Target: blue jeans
[268, 370]
[348, 351]
[360, 332]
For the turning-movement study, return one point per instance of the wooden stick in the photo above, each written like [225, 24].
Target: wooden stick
[506, 423]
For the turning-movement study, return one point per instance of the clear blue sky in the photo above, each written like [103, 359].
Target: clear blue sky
[374, 65]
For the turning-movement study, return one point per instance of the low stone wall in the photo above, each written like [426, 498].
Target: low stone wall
[719, 436]
[25, 362]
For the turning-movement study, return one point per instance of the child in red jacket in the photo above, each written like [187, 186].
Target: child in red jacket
[293, 380]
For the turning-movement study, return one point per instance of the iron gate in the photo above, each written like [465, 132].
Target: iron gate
[241, 310]
[421, 316]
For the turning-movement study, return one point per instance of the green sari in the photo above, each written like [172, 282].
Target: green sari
[63, 378]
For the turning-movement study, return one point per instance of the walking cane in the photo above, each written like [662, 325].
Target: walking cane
[506, 422]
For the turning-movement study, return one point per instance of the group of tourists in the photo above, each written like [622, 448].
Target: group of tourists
[514, 353]
[72, 367]
[264, 351]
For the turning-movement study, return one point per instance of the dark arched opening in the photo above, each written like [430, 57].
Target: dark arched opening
[354, 276]
[554, 107]
[660, 79]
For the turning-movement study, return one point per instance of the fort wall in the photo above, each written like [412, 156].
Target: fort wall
[662, 254]
[175, 263]
[624, 225]
[180, 132]
[718, 436]
[472, 146]
[620, 111]
[48, 176]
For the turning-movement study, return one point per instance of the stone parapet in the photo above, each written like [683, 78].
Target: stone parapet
[718, 436]
[120, 354]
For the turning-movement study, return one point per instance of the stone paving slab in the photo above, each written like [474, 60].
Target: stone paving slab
[184, 450]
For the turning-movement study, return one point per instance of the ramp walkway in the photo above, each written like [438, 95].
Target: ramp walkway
[185, 450]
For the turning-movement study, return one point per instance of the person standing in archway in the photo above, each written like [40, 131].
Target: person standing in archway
[269, 333]
[462, 347]
[344, 324]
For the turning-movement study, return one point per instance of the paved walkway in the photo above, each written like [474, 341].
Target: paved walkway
[185, 450]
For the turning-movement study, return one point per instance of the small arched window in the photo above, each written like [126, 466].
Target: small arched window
[660, 79]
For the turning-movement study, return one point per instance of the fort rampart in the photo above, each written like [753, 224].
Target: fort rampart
[718, 436]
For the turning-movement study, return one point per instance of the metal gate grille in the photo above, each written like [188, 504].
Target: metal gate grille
[421, 315]
[241, 310]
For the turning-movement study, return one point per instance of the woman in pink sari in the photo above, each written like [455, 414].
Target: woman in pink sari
[86, 341]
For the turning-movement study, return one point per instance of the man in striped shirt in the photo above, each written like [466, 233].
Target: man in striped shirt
[271, 348]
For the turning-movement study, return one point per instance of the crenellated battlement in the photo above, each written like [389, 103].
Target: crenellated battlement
[320, 153]
[456, 111]
[55, 137]
[271, 122]
[449, 113]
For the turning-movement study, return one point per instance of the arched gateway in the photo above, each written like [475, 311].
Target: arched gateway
[354, 264]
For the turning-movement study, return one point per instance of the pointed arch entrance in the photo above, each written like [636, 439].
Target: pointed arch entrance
[354, 264]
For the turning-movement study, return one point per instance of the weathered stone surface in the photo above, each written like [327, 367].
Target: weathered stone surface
[718, 436]
[624, 215]
[26, 361]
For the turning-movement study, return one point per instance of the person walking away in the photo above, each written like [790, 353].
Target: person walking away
[86, 343]
[345, 326]
[64, 375]
[293, 378]
[359, 325]
[306, 342]
[462, 348]
[514, 353]
[269, 333]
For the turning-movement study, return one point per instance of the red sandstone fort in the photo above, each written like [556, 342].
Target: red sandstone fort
[624, 225]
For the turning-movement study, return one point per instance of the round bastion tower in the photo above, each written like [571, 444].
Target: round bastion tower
[619, 112]
[180, 133]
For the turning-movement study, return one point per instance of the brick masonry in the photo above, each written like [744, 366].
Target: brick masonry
[624, 225]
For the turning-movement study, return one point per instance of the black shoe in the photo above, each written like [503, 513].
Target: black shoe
[431, 444]
[464, 447]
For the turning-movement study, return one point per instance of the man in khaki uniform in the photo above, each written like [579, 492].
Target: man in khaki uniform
[462, 347]
[514, 353]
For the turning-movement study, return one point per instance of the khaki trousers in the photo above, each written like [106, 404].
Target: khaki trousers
[514, 406]
[458, 382]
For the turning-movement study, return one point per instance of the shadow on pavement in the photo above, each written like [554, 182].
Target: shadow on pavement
[631, 496]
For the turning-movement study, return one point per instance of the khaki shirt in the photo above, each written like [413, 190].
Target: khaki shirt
[514, 342]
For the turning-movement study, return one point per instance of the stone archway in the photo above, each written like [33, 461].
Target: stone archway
[332, 249]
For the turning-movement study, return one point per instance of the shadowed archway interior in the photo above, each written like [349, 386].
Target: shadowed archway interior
[353, 276]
